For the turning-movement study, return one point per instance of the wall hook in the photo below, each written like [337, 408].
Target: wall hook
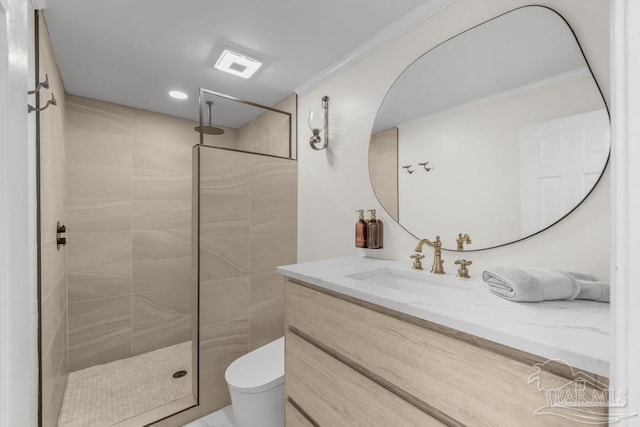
[424, 165]
[44, 84]
[52, 101]
[407, 167]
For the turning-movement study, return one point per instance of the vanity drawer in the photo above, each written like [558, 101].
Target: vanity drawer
[334, 395]
[452, 379]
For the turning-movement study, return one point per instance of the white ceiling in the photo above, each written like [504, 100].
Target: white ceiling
[132, 52]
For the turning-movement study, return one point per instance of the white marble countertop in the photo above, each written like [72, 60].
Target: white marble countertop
[576, 332]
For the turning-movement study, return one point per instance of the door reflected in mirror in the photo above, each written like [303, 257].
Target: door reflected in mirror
[505, 128]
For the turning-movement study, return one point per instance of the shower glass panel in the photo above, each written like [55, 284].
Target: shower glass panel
[245, 226]
[228, 122]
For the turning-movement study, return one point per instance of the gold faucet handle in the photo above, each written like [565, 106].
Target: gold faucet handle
[462, 240]
[463, 271]
[417, 261]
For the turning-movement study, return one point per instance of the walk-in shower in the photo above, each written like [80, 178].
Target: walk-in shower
[168, 274]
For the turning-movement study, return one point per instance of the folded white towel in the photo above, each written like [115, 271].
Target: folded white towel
[534, 284]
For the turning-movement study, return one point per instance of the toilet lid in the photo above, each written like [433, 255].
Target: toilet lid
[259, 370]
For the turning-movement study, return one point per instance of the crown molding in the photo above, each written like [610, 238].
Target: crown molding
[386, 36]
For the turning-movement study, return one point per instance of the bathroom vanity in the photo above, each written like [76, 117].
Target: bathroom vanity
[371, 342]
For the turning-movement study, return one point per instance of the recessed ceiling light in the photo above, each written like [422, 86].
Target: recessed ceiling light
[177, 94]
[237, 64]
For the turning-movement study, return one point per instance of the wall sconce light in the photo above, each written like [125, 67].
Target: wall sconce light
[319, 120]
[408, 168]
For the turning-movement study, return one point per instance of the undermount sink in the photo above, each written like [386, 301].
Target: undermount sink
[415, 282]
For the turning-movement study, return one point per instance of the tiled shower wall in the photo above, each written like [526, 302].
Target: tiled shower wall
[53, 298]
[129, 231]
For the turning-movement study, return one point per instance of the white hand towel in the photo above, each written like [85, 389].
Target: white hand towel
[596, 291]
[531, 284]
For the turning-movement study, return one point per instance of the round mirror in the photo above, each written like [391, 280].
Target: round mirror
[499, 132]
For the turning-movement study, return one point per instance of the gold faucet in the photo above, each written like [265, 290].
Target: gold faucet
[437, 267]
[461, 240]
[463, 271]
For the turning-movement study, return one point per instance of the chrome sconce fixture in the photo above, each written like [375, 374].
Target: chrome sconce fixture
[319, 120]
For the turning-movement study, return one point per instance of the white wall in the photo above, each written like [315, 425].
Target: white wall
[334, 183]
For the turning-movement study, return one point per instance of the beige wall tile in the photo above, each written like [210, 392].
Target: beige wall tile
[224, 214]
[267, 134]
[154, 154]
[51, 211]
[52, 359]
[104, 252]
[268, 251]
[224, 300]
[224, 172]
[163, 129]
[98, 116]
[98, 215]
[162, 274]
[98, 182]
[267, 309]
[273, 215]
[222, 343]
[224, 257]
[96, 147]
[95, 349]
[273, 177]
[54, 307]
[161, 215]
[162, 244]
[53, 266]
[94, 317]
[160, 185]
[266, 327]
[90, 286]
[52, 161]
[160, 305]
[161, 333]
[51, 409]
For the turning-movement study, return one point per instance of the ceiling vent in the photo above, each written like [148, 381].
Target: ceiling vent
[237, 64]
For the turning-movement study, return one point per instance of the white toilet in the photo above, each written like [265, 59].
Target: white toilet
[256, 385]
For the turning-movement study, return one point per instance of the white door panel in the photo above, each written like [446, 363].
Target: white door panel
[560, 162]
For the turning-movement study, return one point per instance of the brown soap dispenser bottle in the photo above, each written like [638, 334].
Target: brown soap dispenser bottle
[361, 230]
[374, 231]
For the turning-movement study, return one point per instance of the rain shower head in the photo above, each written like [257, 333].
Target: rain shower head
[209, 129]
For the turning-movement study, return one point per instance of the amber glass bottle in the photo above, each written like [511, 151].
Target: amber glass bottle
[361, 230]
[374, 231]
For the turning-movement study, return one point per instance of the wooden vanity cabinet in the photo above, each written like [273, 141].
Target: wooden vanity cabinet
[353, 363]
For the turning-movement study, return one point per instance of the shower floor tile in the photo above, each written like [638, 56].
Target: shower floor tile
[107, 394]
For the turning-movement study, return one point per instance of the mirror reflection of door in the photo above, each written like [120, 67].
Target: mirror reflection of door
[560, 160]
